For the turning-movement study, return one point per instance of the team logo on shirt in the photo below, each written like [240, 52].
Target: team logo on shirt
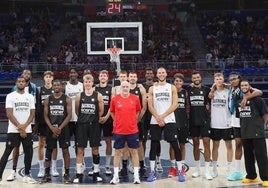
[201, 92]
[60, 101]
[107, 92]
[92, 100]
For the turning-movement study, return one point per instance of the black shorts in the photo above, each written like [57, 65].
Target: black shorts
[170, 132]
[107, 128]
[14, 140]
[131, 140]
[183, 134]
[225, 134]
[202, 130]
[142, 131]
[64, 139]
[42, 129]
[237, 132]
[72, 128]
[88, 132]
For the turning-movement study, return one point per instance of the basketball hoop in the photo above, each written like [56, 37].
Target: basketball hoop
[115, 57]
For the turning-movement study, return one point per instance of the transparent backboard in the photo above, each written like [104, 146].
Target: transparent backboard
[127, 35]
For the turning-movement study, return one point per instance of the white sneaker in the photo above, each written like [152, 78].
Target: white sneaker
[54, 172]
[90, 172]
[108, 171]
[115, 180]
[41, 173]
[137, 180]
[197, 173]
[28, 179]
[159, 167]
[12, 176]
[208, 175]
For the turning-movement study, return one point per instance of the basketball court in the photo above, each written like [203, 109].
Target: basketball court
[162, 178]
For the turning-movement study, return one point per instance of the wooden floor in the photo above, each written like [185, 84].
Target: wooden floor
[162, 182]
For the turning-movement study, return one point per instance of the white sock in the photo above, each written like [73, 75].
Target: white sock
[108, 160]
[179, 165]
[96, 168]
[207, 166]
[173, 163]
[136, 171]
[79, 167]
[238, 165]
[157, 159]
[215, 164]
[54, 164]
[116, 172]
[152, 165]
[197, 164]
[229, 164]
[41, 164]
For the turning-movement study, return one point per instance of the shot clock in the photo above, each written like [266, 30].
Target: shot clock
[114, 7]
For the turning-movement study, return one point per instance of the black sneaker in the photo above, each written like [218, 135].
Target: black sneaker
[123, 172]
[96, 177]
[66, 179]
[78, 178]
[45, 179]
[143, 173]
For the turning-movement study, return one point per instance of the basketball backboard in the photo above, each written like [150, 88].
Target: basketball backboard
[124, 35]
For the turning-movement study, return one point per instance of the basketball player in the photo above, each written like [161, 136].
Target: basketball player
[125, 110]
[253, 122]
[199, 124]
[57, 113]
[32, 89]
[89, 108]
[140, 92]
[43, 93]
[149, 76]
[106, 121]
[20, 110]
[182, 125]
[220, 123]
[72, 88]
[162, 102]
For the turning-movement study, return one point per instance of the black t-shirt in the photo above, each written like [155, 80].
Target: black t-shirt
[251, 118]
[57, 109]
[88, 108]
[180, 112]
[106, 94]
[198, 99]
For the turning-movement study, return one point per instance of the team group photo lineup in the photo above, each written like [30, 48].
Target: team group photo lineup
[128, 98]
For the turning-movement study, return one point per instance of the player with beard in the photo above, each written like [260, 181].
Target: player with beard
[140, 92]
[149, 75]
[20, 110]
[199, 122]
[253, 122]
[106, 121]
[32, 89]
[162, 102]
[57, 114]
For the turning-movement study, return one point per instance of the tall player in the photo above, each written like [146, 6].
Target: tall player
[106, 121]
[140, 92]
[72, 88]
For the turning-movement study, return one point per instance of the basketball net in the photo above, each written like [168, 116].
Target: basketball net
[115, 57]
